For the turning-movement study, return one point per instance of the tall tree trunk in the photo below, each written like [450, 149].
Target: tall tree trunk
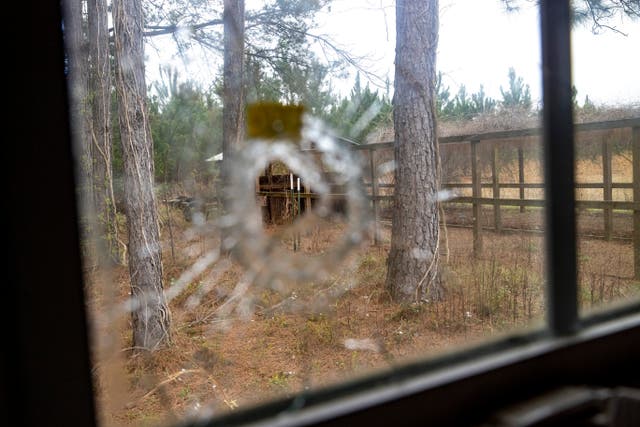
[151, 317]
[233, 87]
[80, 110]
[412, 263]
[100, 88]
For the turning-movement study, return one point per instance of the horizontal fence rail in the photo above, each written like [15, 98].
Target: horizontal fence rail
[383, 191]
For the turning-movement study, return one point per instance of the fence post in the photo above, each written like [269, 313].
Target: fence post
[307, 197]
[497, 220]
[476, 188]
[374, 195]
[635, 148]
[270, 202]
[521, 175]
[607, 193]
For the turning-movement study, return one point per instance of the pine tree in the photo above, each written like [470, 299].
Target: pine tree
[412, 273]
[356, 116]
[518, 94]
[151, 319]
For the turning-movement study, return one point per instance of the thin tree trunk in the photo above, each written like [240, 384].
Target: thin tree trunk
[151, 317]
[413, 257]
[233, 87]
[100, 88]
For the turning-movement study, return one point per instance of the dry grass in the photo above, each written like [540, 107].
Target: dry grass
[515, 119]
[307, 336]
[215, 366]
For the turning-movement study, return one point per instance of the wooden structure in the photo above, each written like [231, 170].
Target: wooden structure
[275, 189]
[477, 199]
[279, 202]
[607, 205]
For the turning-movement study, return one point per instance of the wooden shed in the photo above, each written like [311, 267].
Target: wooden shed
[277, 188]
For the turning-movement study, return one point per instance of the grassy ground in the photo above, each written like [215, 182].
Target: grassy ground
[303, 336]
[234, 345]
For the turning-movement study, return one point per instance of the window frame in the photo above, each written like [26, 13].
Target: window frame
[46, 374]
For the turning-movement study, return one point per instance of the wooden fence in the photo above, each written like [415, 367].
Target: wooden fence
[275, 192]
[476, 200]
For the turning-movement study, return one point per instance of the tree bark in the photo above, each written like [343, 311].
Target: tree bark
[80, 110]
[413, 257]
[100, 90]
[233, 88]
[151, 317]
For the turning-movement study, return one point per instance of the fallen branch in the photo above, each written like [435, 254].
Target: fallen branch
[171, 378]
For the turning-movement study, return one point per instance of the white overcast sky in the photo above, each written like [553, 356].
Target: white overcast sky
[479, 41]
[478, 44]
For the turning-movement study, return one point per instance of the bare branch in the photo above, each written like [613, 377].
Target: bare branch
[328, 45]
[159, 30]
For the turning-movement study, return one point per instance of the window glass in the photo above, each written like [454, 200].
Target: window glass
[237, 174]
[607, 113]
[492, 176]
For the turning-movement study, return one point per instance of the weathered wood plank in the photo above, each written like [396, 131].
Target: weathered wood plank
[495, 170]
[513, 134]
[521, 133]
[585, 204]
[607, 194]
[374, 194]
[477, 194]
[530, 185]
[607, 205]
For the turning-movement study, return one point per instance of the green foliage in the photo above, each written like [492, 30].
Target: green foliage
[260, 86]
[574, 96]
[356, 116]
[266, 26]
[481, 103]
[280, 379]
[502, 290]
[462, 106]
[280, 62]
[518, 94]
[184, 392]
[292, 83]
[281, 65]
[587, 107]
[186, 128]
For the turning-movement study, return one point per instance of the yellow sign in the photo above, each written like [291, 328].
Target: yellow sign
[274, 121]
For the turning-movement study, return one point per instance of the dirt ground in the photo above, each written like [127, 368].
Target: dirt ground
[281, 340]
